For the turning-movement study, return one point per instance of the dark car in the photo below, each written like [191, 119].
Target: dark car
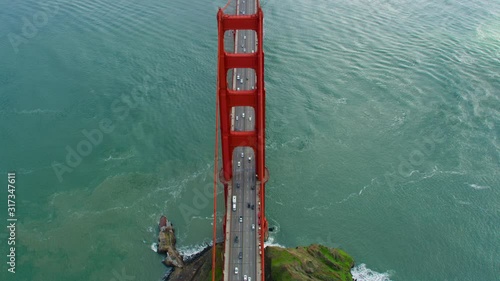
[240, 255]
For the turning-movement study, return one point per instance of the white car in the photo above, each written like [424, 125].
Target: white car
[253, 226]
[238, 77]
[241, 218]
[236, 117]
[239, 164]
[242, 155]
[243, 114]
[249, 158]
[245, 278]
[236, 270]
[244, 37]
[237, 89]
[249, 118]
[249, 278]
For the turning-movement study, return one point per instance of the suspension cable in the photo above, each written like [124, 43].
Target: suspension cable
[227, 4]
[216, 162]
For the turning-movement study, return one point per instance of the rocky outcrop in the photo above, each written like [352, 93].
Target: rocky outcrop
[166, 244]
[199, 268]
[312, 263]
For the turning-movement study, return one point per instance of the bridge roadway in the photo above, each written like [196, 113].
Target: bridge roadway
[243, 252]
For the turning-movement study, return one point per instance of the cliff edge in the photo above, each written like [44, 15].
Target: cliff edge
[311, 263]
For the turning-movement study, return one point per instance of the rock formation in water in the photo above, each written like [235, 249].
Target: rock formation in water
[166, 244]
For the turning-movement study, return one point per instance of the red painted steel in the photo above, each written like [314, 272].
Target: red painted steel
[254, 98]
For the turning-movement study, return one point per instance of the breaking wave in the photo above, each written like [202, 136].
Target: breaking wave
[363, 273]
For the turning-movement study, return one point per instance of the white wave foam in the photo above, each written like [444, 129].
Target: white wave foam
[154, 247]
[32, 111]
[119, 158]
[188, 252]
[270, 242]
[479, 187]
[362, 273]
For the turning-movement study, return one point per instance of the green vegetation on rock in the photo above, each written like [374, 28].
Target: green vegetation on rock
[312, 263]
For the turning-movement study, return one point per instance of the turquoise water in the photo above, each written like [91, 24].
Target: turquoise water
[382, 133]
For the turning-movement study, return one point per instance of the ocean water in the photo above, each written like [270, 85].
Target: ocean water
[383, 133]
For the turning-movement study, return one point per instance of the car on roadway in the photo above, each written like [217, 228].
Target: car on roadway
[243, 114]
[234, 207]
[241, 218]
[239, 164]
[235, 270]
[242, 155]
[236, 117]
[245, 278]
[244, 37]
[238, 186]
[237, 89]
[249, 278]
[240, 256]
[249, 158]
[238, 77]
[253, 226]
[236, 239]
[249, 118]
